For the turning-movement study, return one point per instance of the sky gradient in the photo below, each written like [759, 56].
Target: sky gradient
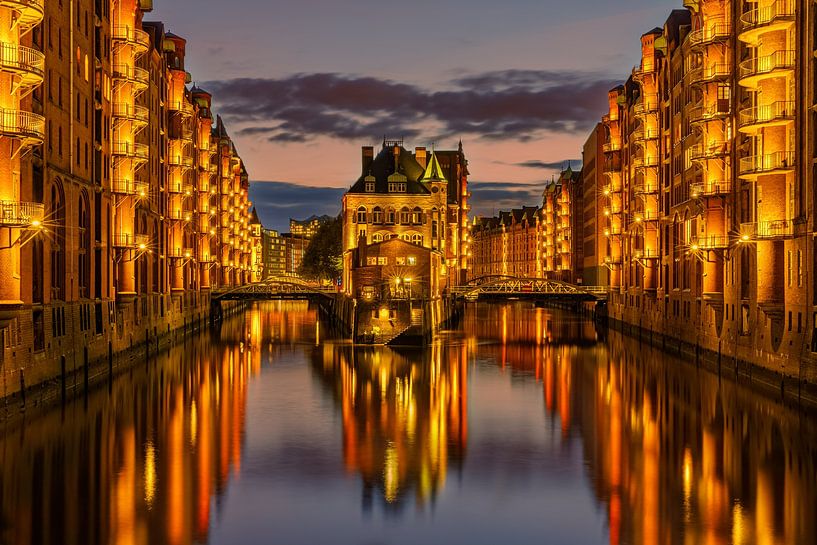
[302, 85]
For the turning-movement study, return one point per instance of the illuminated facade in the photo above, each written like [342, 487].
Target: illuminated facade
[709, 184]
[406, 196]
[122, 203]
[594, 243]
[273, 253]
[308, 227]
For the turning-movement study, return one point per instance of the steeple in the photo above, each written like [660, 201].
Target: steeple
[434, 172]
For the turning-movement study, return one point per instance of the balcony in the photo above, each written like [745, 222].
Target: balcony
[640, 163]
[770, 115]
[180, 161]
[713, 150]
[610, 147]
[612, 260]
[612, 211]
[647, 253]
[130, 187]
[26, 63]
[714, 34]
[130, 112]
[647, 104]
[181, 253]
[138, 39]
[641, 73]
[29, 12]
[704, 114]
[21, 214]
[130, 241]
[704, 75]
[710, 189]
[129, 150]
[709, 242]
[779, 16]
[179, 215]
[137, 77]
[182, 107]
[25, 126]
[771, 163]
[767, 230]
[645, 189]
[640, 135]
[779, 63]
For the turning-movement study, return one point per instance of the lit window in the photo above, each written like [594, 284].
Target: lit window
[377, 237]
[412, 260]
[361, 215]
[401, 260]
[369, 187]
[382, 260]
[371, 261]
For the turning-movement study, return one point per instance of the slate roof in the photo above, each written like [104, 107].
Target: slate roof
[383, 167]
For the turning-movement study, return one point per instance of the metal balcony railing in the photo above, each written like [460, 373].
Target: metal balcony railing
[709, 189]
[713, 150]
[771, 162]
[181, 253]
[711, 73]
[646, 189]
[134, 37]
[768, 114]
[138, 77]
[646, 105]
[647, 253]
[757, 67]
[29, 12]
[130, 150]
[23, 125]
[181, 161]
[780, 14]
[183, 107]
[767, 230]
[609, 147]
[26, 62]
[21, 214]
[703, 114]
[709, 35]
[131, 112]
[129, 240]
[129, 187]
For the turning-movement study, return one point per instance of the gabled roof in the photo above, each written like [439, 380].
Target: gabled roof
[384, 166]
[434, 172]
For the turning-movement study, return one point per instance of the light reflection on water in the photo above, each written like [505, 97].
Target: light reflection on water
[526, 425]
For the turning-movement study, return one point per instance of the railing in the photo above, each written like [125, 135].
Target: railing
[641, 134]
[650, 161]
[759, 66]
[702, 114]
[700, 152]
[767, 229]
[705, 74]
[707, 189]
[132, 112]
[178, 215]
[132, 74]
[20, 214]
[129, 187]
[609, 147]
[135, 37]
[769, 113]
[646, 104]
[180, 161]
[645, 189]
[128, 240]
[21, 124]
[610, 211]
[647, 253]
[640, 71]
[782, 11]
[709, 242]
[709, 35]
[30, 12]
[130, 150]
[184, 107]
[781, 160]
[24, 60]
[181, 253]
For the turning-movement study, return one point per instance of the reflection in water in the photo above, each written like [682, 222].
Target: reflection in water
[667, 452]
[404, 416]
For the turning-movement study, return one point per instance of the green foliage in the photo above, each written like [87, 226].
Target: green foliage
[323, 258]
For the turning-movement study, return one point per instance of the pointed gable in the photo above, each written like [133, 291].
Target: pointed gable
[434, 172]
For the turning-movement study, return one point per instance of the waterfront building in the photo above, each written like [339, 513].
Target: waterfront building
[406, 196]
[563, 223]
[295, 247]
[121, 204]
[508, 244]
[709, 183]
[274, 253]
[594, 243]
[308, 227]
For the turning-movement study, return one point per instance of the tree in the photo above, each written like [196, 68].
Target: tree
[323, 258]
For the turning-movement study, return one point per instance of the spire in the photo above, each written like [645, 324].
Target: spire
[434, 172]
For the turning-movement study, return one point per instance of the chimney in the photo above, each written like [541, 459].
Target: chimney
[368, 158]
[420, 156]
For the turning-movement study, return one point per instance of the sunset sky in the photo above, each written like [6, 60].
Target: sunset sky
[302, 85]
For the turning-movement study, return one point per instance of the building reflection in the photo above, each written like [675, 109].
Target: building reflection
[142, 461]
[404, 417]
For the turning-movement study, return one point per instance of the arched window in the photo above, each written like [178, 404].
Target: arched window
[377, 237]
[361, 214]
[378, 215]
[84, 250]
[390, 215]
[417, 239]
[416, 216]
[56, 215]
[405, 215]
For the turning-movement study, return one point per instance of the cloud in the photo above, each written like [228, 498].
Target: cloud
[277, 202]
[512, 104]
[488, 198]
[555, 165]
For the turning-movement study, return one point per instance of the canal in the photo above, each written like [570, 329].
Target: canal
[524, 426]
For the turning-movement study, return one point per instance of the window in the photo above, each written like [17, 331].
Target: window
[378, 215]
[382, 260]
[400, 260]
[361, 233]
[417, 239]
[405, 216]
[377, 237]
[416, 216]
[397, 187]
[371, 261]
[412, 260]
[390, 216]
[361, 215]
[369, 187]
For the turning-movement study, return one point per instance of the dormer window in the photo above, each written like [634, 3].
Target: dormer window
[397, 187]
[369, 187]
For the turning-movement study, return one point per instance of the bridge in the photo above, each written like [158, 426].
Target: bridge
[541, 289]
[275, 288]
